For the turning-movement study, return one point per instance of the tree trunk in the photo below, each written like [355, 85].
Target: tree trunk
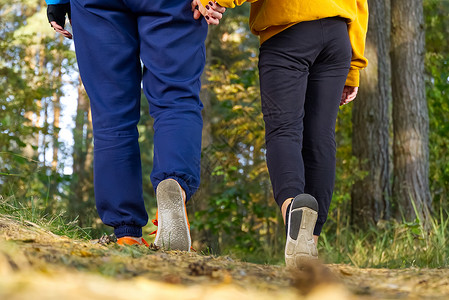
[32, 117]
[370, 116]
[81, 202]
[56, 118]
[56, 105]
[44, 135]
[56, 110]
[410, 114]
[201, 199]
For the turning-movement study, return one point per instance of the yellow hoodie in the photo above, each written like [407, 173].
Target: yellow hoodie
[269, 17]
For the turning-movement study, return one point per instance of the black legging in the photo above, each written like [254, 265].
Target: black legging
[303, 70]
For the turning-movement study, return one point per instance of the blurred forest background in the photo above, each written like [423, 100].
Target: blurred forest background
[391, 191]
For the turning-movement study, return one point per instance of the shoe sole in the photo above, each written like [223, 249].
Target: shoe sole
[300, 246]
[173, 232]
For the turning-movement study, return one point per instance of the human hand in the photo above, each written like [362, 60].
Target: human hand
[58, 28]
[56, 17]
[349, 94]
[212, 12]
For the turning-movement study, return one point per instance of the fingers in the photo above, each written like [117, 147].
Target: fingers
[217, 7]
[212, 21]
[214, 10]
[65, 33]
[212, 13]
[353, 93]
[59, 29]
[212, 16]
[56, 26]
[349, 94]
[194, 5]
[343, 98]
[196, 14]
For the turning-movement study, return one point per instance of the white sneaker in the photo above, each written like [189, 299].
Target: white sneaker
[173, 231]
[300, 245]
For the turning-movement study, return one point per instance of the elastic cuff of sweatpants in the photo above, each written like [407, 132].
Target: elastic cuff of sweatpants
[183, 185]
[285, 194]
[128, 230]
[318, 228]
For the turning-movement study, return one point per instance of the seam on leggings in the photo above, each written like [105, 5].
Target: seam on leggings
[322, 33]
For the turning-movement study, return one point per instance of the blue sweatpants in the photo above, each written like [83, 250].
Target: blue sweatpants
[112, 37]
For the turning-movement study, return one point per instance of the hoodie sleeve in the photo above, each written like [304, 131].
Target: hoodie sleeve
[357, 35]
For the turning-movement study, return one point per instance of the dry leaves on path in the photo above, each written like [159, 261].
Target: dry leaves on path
[36, 264]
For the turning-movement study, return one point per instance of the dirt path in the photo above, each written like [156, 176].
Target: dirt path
[36, 264]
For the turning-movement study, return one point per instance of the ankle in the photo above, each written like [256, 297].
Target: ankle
[284, 208]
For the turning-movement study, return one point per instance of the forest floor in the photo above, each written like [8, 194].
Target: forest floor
[37, 264]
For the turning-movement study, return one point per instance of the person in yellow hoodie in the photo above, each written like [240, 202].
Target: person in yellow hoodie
[310, 56]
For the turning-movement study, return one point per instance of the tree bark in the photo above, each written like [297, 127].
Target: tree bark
[82, 204]
[55, 77]
[410, 113]
[32, 117]
[202, 197]
[56, 107]
[370, 116]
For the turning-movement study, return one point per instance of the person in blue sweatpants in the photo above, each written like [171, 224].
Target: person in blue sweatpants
[113, 38]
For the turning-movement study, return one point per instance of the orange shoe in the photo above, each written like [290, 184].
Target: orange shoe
[129, 240]
[173, 231]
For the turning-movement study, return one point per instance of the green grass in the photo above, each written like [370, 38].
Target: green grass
[30, 211]
[390, 245]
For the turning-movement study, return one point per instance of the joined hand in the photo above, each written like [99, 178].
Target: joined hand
[213, 12]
